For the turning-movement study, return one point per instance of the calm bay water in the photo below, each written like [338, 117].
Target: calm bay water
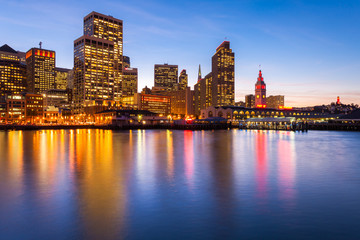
[162, 184]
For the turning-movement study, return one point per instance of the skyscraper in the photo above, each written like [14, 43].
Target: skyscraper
[98, 61]
[260, 92]
[223, 76]
[12, 72]
[40, 68]
[165, 76]
[183, 80]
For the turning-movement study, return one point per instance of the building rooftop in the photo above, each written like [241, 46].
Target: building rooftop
[7, 48]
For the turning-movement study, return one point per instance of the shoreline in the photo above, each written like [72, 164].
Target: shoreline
[312, 127]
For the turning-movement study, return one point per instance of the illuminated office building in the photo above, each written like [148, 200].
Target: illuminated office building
[94, 73]
[183, 80]
[130, 81]
[12, 72]
[98, 57]
[165, 76]
[40, 68]
[61, 78]
[275, 101]
[223, 76]
[260, 92]
[250, 101]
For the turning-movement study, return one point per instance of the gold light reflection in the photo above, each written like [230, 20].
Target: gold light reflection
[16, 155]
[102, 193]
[170, 154]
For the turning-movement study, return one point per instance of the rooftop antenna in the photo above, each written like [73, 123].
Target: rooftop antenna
[40, 44]
[260, 67]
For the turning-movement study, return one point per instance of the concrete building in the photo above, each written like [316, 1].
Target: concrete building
[12, 72]
[40, 69]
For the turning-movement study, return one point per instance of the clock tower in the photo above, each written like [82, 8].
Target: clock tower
[260, 92]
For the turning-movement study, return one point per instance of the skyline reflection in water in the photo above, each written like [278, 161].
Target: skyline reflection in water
[102, 184]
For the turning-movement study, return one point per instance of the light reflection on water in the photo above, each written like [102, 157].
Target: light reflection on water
[102, 184]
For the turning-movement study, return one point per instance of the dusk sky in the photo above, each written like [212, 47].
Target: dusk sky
[308, 50]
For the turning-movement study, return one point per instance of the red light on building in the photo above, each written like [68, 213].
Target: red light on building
[188, 120]
[338, 101]
[261, 106]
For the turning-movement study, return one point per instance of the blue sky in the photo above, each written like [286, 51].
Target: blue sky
[308, 50]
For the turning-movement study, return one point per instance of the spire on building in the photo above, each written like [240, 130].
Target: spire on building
[199, 74]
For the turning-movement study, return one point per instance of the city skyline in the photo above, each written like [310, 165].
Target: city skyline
[315, 51]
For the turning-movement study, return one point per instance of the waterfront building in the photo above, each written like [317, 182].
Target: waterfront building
[61, 78]
[276, 102]
[223, 76]
[15, 108]
[98, 61]
[34, 104]
[12, 72]
[165, 76]
[55, 97]
[260, 92]
[183, 80]
[235, 113]
[40, 70]
[130, 81]
[250, 101]
[127, 117]
[3, 111]
[154, 103]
